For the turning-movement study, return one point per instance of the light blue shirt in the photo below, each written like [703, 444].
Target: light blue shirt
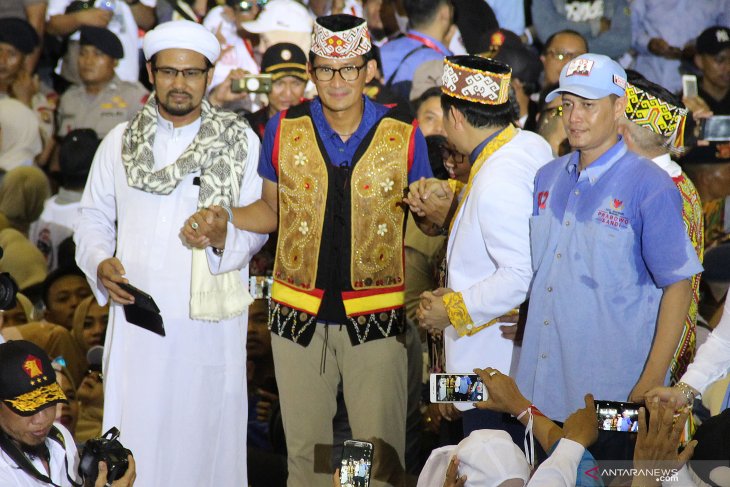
[393, 56]
[552, 16]
[510, 14]
[677, 22]
[605, 241]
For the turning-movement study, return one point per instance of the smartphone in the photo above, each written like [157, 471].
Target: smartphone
[357, 459]
[689, 86]
[259, 287]
[617, 416]
[715, 129]
[464, 387]
[252, 83]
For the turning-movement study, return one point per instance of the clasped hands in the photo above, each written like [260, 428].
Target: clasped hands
[206, 228]
[430, 199]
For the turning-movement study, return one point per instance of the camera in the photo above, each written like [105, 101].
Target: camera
[8, 289]
[107, 449]
[252, 83]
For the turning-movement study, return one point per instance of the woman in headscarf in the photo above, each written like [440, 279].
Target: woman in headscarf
[89, 328]
[66, 413]
[20, 137]
[23, 192]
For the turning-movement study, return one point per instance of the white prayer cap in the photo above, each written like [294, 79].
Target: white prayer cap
[181, 34]
[486, 457]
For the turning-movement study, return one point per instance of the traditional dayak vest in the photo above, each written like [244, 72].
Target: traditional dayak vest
[339, 256]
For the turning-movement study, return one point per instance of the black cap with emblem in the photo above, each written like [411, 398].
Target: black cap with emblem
[284, 59]
[27, 379]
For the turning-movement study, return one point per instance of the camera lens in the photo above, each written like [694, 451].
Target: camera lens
[252, 84]
[8, 290]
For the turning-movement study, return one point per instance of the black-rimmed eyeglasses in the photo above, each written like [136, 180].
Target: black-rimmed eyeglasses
[347, 73]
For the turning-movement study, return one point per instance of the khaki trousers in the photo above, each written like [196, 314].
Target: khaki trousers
[373, 375]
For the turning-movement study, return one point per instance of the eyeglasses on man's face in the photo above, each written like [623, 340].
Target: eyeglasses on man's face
[347, 73]
[190, 74]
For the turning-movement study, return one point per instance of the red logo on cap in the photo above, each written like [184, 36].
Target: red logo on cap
[497, 39]
[32, 366]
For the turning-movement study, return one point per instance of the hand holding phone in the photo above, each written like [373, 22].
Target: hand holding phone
[689, 86]
[451, 388]
[356, 463]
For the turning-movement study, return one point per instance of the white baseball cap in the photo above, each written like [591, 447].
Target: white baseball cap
[286, 15]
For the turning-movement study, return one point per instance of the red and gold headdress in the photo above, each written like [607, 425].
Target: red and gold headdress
[344, 44]
[655, 114]
[475, 85]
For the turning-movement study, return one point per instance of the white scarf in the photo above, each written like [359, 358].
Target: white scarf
[219, 152]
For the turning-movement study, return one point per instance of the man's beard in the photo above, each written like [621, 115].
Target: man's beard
[177, 111]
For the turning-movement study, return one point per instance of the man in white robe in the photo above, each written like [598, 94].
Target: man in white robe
[178, 400]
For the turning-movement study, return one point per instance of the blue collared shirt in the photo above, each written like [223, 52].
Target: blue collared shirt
[475, 153]
[342, 153]
[393, 55]
[605, 241]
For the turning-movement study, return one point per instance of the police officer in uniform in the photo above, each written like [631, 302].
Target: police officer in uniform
[103, 100]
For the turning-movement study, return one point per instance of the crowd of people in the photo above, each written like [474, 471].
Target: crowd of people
[244, 231]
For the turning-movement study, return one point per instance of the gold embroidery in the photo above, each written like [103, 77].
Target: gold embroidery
[31, 401]
[302, 200]
[377, 217]
[458, 314]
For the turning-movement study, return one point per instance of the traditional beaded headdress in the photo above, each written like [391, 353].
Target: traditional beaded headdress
[344, 44]
[475, 85]
[655, 114]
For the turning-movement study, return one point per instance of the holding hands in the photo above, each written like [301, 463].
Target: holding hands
[206, 228]
[430, 199]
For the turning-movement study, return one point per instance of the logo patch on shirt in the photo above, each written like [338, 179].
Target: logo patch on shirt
[542, 197]
[579, 67]
[612, 216]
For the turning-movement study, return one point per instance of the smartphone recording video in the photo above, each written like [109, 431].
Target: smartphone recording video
[618, 416]
[467, 388]
[357, 459]
[715, 129]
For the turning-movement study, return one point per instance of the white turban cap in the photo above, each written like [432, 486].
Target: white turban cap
[181, 34]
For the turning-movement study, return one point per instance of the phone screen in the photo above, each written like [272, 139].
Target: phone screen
[716, 129]
[689, 86]
[457, 388]
[618, 416]
[357, 459]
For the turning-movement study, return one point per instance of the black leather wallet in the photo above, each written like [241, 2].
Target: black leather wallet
[144, 312]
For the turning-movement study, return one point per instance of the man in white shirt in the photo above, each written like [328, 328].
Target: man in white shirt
[488, 253]
[179, 400]
[33, 451]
